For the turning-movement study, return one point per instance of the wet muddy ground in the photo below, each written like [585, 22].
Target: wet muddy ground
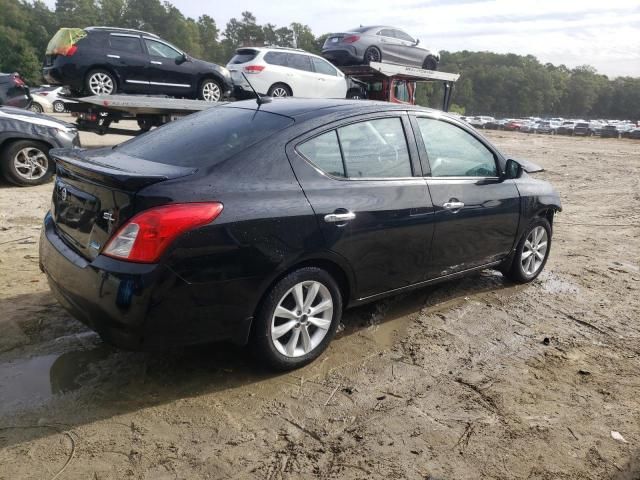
[475, 378]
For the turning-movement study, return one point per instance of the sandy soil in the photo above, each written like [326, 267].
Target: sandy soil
[470, 379]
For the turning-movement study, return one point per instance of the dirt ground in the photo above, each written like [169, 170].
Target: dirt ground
[470, 379]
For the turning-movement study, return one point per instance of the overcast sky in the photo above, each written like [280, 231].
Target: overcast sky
[602, 33]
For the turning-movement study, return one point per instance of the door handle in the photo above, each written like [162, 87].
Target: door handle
[453, 206]
[339, 217]
[113, 56]
[156, 63]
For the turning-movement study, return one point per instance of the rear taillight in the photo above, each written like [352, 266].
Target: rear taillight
[254, 68]
[71, 50]
[44, 94]
[148, 234]
[351, 39]
[18, 81]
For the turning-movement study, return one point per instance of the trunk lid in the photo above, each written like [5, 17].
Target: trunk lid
[94, 194]
[334, 39]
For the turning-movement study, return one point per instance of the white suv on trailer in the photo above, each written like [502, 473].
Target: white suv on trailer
[285, 72]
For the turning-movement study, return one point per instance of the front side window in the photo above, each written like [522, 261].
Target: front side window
[453, 152]
[371, 149]
[323, 67]
[159, 49]
[300, 62]
[403, 36]
[125, 44]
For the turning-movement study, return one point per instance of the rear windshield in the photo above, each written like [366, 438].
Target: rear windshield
[205, 138]
[63, 40]
[243, 56]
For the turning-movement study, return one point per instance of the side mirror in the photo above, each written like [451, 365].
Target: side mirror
[512, 170]
[182, 58]
[417, 41]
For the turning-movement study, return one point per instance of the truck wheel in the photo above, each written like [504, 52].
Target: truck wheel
[430, 63]
[26, 163]
[372, 54]
[100, 82]
[297, 319]
[210, 91]
[279, 90]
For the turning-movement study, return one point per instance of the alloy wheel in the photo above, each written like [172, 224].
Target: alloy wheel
[31, 163]
[210, 92]
[280, 92]
[534, 250]
[58, 106]
[302, 319]
[101, 84]
[373, 55]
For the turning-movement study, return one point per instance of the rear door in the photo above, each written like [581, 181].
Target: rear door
[476, 213]
[302, 79]
[168, 73]
[365, 185]
[127, 57]
[332, 83]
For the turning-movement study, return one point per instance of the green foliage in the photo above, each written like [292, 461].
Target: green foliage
[490, 83]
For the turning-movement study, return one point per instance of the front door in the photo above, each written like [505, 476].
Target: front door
[476, 212]
[169, 72]
[130, 62]
[363, 180]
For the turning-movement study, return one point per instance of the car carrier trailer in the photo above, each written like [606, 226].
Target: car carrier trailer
[377, 81]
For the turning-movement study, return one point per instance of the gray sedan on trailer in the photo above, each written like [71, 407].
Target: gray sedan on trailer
[376, 44]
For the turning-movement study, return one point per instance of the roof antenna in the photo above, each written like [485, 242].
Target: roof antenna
[259, 98]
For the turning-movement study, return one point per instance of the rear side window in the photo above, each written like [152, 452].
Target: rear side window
[243, 56]
[323, 67]
[125, 44]
[371, 149]
[453, 152]
[276, 58]
[324, 153]
[300, 62]
[205, 138]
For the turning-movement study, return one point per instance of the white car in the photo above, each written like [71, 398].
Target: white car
[479, 121]
[54, 95]
[40, 103]
[285, 72]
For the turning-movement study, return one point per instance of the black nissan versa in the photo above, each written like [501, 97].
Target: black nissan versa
[261, 223]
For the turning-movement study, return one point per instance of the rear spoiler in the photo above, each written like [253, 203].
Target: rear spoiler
[115, 169]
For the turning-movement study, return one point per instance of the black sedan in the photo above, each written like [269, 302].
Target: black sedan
[262, 223]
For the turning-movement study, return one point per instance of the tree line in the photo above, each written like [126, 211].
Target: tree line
[490, 83]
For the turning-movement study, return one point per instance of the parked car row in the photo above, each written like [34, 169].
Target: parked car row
[558, 126]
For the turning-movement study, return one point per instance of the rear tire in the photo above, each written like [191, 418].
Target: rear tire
[430, 63]
[36, 108]
[100, 82]
[26, 163]
[531, 252]
[279, 90]
[372, 54]
[301, 329]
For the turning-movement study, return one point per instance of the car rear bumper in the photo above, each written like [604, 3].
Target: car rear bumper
[142, 306]
[342, 55]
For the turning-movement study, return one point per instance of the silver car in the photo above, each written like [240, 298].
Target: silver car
[376, 44]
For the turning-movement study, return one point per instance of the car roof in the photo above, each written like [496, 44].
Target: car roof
[121, 30]
[315, 107]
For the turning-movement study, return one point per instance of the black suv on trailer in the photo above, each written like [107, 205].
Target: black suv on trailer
[105, 60]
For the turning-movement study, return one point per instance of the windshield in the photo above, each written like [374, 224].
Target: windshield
[205, 138]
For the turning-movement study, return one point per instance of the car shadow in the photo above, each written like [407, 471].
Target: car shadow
[64, 376]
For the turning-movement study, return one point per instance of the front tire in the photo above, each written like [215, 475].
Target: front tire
[58, 106]
[297, 319]
[210, 91]
[100, 82]
[26, 163]
[531, 253]
[430, 63]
